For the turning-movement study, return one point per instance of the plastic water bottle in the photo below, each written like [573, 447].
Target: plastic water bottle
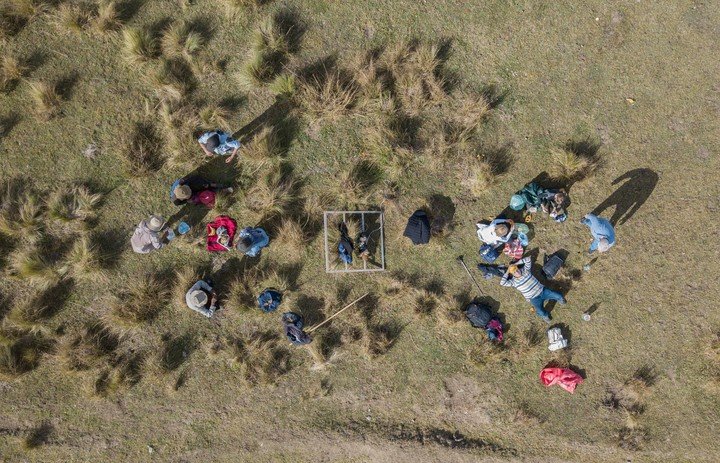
[586, 267]
[170, 235]
[586, 316]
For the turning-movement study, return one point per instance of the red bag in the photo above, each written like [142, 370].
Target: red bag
[212, 236]
[564, 377]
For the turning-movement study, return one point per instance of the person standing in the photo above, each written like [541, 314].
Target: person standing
[149, 235]
[602, 231]
[520, 277]
[201, 298]
[219, 143]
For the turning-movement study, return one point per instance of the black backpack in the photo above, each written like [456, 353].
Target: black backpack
[479, 315]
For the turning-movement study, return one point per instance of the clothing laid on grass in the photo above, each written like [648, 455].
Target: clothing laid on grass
[563, 377]
[486, 233]
[418, 228]
[145, 240]
[599, 228]
[227, 143]
[220, 233]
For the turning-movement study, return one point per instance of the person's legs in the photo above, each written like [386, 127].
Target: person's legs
[550, 295]
[537, 303]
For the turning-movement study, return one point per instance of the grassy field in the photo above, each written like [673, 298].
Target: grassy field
[392, 105]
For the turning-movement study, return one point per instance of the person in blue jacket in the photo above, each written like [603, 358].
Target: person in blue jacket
[251, 241]
[602, 231]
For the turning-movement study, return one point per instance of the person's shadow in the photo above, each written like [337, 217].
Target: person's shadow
[630, 196]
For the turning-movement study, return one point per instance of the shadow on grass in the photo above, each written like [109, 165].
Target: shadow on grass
[175, 350]
[630, 196]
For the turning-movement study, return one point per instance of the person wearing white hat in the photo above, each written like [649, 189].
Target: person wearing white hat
[202, 298]
[149, 235]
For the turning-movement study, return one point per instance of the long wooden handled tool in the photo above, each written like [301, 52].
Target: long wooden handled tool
[462, 262]
[336, 313]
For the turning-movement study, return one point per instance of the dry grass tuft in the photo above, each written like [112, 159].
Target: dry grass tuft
[291, 238]
[94, 347]
[20, 355]
[264, 146]
[75, 206]
[273, 194]
[181, 41]
[28, 264]
[326, 96]
[172, 81]
[29, 315]
[46, 99]
[75, 17]
[260, 69]
[477, 178]
[284, 85]
[28, 9]
[238, 7]
[139, 45]
[107, 18]
[20, 213]
[180, 124]
[215, 117]
[11, 71]
[567, 164]
[125, 372]
[417, 69]
[185, 277]
[240, 297]
[83, 261]
[262, 359]
[142, 149]
[140, 301]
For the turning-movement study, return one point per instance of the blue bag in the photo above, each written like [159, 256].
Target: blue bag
[489, 253]
[269, 300]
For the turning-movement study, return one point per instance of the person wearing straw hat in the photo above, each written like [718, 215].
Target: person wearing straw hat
[201, 298]
[149, 235]
[195, 190]
[251, 241]
[219, 143]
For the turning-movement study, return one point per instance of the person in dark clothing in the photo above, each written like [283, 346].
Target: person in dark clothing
[196, 190]
[418, 228]
[293, 329]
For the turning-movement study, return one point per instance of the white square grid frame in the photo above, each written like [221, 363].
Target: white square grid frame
[377, 234]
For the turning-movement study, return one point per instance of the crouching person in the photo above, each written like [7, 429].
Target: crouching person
[150, 235]
[201, 297]
[520, 277]
[294, 324]
[252, 240]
